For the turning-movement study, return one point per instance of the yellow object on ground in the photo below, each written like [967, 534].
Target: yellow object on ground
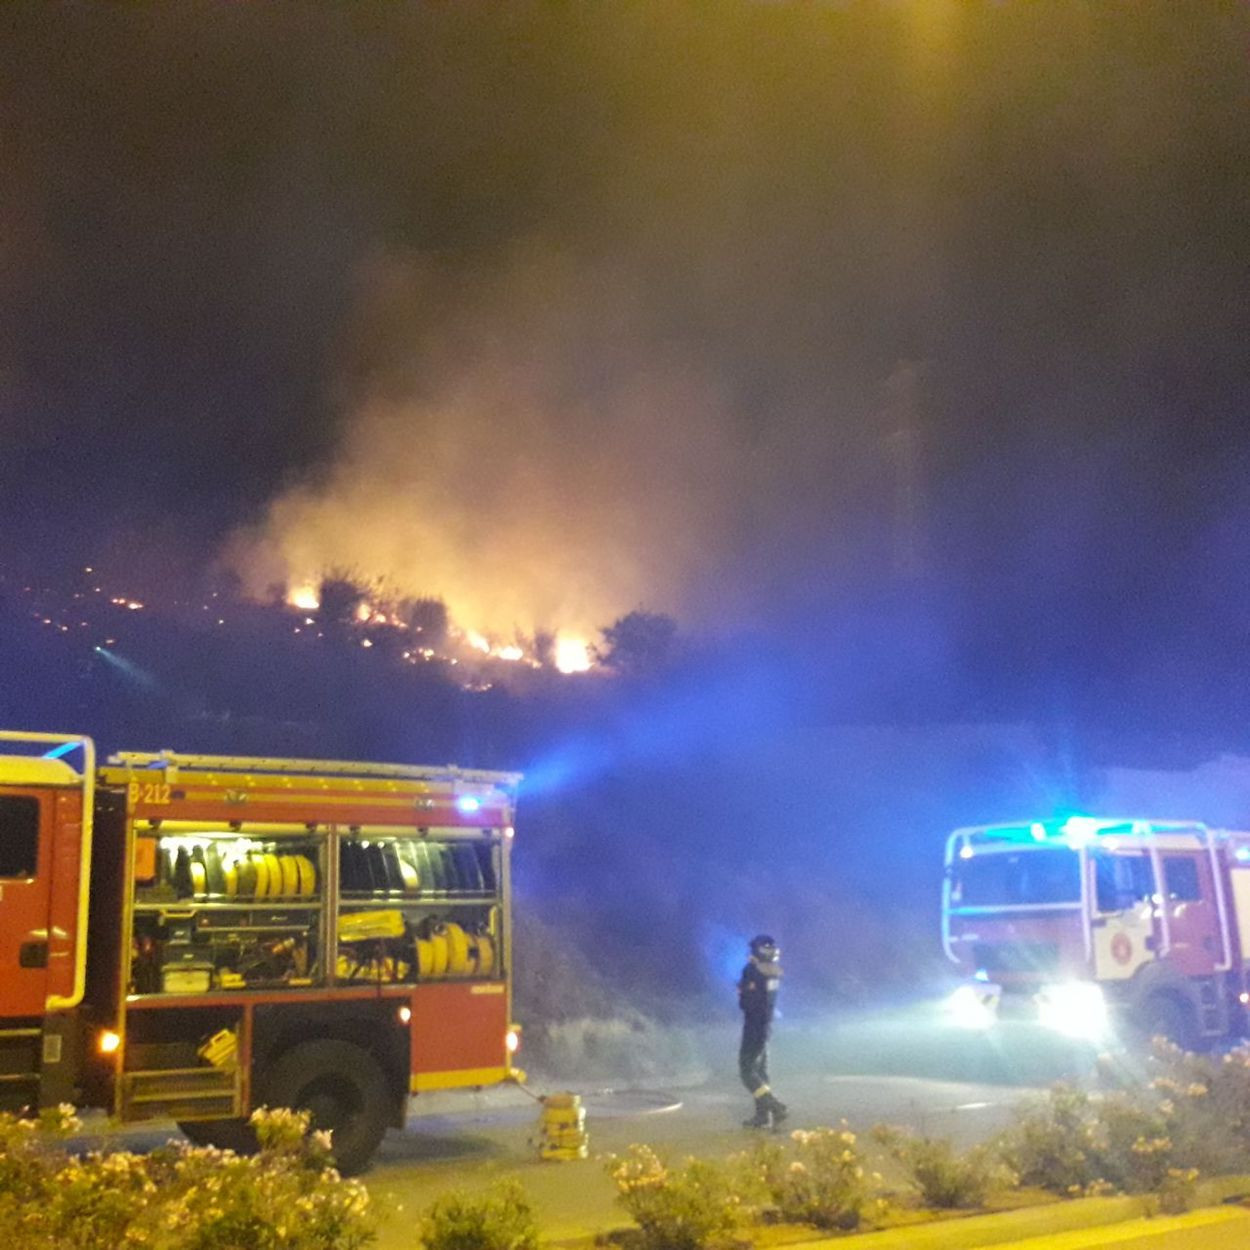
[562, 1128]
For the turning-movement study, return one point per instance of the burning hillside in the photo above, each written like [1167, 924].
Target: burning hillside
[516, 447]
[432, 634]
[98, 615]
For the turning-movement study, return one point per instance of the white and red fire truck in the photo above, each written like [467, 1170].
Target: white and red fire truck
[1090, 925]
[193, 936]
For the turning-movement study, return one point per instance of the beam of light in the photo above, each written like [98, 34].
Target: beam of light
[127, 668]
[670, 725]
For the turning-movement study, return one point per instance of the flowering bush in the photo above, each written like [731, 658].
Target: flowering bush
[676, 1208]
[1054, 1143]
[944, 1177]
[1206, 1101]
[501, 1220]
[1134, 1143]
[1131, 1141]
[180, 1197]
[817, 1178]
[24, 1155]
[1176, 1191]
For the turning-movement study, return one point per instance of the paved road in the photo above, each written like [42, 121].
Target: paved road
[472, 1149]
[902, 1069]
[1224, 1228]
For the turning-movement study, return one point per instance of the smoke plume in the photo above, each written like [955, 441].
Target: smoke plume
[516, 445]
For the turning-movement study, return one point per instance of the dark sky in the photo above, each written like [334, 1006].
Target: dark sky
[654, 272]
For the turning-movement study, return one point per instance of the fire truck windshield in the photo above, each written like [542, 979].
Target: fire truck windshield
[1029, 876]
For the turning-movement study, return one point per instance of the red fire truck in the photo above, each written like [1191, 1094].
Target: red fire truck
[193, 936]
[1087, 924]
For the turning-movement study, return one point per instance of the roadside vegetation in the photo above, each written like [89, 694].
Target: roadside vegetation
[501, 1219]
[1155, 1136]
[285, 1197]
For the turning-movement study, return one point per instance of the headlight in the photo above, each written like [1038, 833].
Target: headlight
[972, 1007]
[1076, 1008]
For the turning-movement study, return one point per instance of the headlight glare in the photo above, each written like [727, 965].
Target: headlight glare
[1075, 1008]
[971, 1007]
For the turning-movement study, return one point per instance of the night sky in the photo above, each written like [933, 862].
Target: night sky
[767, 315]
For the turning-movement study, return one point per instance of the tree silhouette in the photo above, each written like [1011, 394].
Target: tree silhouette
[340, 596]
[427, 616]
[638, 642]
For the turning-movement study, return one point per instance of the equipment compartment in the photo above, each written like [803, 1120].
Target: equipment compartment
[229, 910]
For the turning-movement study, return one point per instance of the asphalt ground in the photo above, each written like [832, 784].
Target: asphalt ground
[472, 1150]
[905, 1067]
[1220, 1228]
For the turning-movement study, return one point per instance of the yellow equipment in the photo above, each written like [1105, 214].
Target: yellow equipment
[371, 926]
[221, 1050]
[562, 1128]
[458, 951]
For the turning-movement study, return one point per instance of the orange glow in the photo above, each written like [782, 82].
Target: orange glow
[572, 655]
[304, 597]
[109, 1042]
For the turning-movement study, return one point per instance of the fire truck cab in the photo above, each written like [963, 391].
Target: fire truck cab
[1086, 924]
[190, 937]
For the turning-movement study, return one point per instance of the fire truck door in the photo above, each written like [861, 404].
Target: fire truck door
[1123, 921]
[1193, 920]
[25, 897]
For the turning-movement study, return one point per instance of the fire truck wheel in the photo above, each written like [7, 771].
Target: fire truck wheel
[236, 1135]
[1163, 1015]
[344, 1088]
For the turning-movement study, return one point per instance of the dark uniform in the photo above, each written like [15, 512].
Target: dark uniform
[757, 996]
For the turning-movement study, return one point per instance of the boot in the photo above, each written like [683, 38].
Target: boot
[763, 1117]
[776, 1109]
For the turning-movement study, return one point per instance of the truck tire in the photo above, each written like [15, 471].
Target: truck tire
[236, 1135]
[344, 1088]
[1166, 1015]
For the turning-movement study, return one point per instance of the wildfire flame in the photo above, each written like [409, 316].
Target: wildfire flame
[570, 654]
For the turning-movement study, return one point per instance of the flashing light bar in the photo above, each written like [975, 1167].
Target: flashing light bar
[1076, 830]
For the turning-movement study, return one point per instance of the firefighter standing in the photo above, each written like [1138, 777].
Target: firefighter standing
[757, 996]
